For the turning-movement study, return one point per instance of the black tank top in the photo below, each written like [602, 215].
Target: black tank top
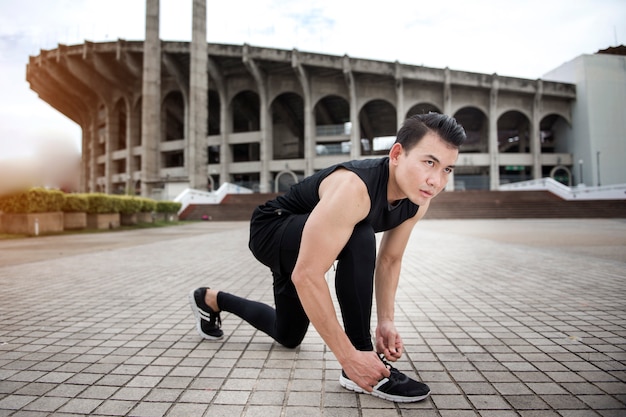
[303, 196]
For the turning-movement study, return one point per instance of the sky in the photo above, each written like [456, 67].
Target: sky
[523, 38]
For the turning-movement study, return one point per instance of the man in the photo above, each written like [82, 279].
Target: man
[331, 216]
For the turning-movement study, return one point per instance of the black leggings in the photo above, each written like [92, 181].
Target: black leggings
[287, 323]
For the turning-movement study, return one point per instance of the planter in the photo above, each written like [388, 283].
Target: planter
[103, 221]
[32, 224]
[166, 217]
[74, 221]
[128, 219]
[144, 217]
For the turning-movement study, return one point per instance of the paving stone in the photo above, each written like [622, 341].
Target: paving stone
[496, 323]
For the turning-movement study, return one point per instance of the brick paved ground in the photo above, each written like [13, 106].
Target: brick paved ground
[501, 318]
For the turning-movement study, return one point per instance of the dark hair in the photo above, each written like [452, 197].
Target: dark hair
[417, 126]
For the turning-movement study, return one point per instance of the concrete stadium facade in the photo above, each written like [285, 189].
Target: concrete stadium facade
[160, 116]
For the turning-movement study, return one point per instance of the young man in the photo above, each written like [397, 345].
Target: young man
[331, 216]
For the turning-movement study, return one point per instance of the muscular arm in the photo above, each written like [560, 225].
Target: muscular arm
[387, 276]
[344, 202]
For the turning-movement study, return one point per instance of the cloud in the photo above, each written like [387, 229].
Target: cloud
[523, 39]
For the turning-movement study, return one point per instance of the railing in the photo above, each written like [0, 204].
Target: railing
[333, 130]
[581, 192]
[190, 196]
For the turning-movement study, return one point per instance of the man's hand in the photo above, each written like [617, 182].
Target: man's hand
[365, 369]
[388, 341]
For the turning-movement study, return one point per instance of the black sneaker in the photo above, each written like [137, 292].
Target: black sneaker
[397, 387]
[208, 322]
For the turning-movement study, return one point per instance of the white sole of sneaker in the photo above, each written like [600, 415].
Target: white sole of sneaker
[196, 315]
[349, 384]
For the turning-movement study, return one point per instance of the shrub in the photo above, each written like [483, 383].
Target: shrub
[35, 200]
[75, 203]
[168, 207]
[129, 205]
[101, 203]
[147, 205]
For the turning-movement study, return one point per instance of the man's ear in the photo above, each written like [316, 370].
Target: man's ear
[395, 152]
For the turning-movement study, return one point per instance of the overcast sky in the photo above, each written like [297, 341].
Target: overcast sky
[524, 38]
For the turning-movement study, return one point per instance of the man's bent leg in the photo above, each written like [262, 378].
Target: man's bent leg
[287, 324]
[354, 284]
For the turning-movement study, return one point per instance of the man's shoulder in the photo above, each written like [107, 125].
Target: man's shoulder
[366, 163]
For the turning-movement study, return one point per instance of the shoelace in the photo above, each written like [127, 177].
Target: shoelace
[394, 373]
[215, 320]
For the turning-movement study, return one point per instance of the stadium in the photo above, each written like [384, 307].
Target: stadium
[159, 117]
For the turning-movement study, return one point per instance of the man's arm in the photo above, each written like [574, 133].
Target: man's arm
[344, 202]
[388, 265]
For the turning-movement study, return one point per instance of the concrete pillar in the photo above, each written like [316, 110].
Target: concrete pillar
[535, 131]
[130, 161]
[93, 146]
[309, 116]
[86, 153]
[400, 116]
[226, 157]
[447, 92]
[151, 101]
[111, 132]
[447, 109]
[93, 150]
[226, 122]
[267, 144]
[196, 158]
[355, 132]
[494, 160]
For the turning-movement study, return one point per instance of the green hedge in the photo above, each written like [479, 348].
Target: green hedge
[129, 204]
[147, 205]
[100, 203]
[75, 203]
[168, 207]
[35, 200]
[41, 200]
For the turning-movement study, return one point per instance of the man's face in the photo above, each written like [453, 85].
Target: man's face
[423, 172]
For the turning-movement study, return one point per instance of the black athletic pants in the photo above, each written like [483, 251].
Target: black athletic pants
[287, 323]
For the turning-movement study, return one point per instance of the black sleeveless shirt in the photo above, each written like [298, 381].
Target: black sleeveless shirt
[304, 196]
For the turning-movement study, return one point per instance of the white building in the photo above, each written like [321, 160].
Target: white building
[597, 138]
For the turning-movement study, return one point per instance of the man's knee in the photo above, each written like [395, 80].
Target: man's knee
[291, 340]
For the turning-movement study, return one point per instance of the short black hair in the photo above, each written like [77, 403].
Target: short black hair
[417, 126]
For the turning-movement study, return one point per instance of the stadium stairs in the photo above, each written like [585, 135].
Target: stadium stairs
[447, 205]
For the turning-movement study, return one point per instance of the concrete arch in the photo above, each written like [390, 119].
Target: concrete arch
[459, 106]
[295, 89]
[508, 109]
[568, 172]
[331, 109]
[422, 108]
[332, 125]
[245, 109]
[476, 125]
[173, 118]
[280, 174]
[566, 116]
[320, 96]
[553, 130]
[214, 108]
[377, 119]
[119, 124]
[287, 115]
[513, 132]
[242, 86]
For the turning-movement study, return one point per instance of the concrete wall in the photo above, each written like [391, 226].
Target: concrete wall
[598, 133]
